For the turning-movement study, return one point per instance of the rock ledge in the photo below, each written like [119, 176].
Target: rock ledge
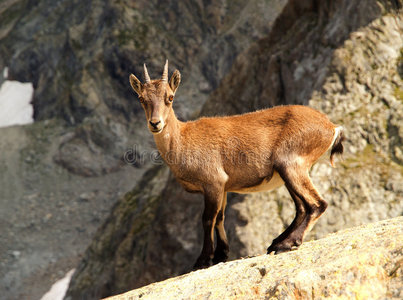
[364, 262]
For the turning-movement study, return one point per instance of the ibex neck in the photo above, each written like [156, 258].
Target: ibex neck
[169, 139]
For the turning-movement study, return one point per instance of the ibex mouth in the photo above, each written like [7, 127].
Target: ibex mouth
[156, 130]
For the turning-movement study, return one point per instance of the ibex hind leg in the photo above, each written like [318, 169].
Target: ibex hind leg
[309, 205]
[290, 237]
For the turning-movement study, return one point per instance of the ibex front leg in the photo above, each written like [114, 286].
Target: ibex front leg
[212, 204]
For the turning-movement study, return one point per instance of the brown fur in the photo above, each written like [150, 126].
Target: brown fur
[250, 152]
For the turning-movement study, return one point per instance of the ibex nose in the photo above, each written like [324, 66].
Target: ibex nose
[154, 124]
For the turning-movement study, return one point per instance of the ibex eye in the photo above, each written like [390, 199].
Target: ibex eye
[141, 99]
[171, 98]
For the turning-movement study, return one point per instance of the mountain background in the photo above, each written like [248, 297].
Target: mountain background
[80, 188]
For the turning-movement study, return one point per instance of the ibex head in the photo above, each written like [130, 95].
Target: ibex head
[156, 97]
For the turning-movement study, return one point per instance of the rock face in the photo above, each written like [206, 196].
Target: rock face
[364, 262]
[360, 90]
[61, 175]
[341, 58]
[79, 54]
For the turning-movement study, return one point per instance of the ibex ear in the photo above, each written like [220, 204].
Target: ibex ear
[136, 84]
[175, 81]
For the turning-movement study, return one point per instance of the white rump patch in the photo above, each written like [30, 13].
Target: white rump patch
[325, 157]
[336, 134]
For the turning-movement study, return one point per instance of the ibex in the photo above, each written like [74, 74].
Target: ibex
[253, 152]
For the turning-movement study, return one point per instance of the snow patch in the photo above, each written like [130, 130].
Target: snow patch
[15, 103]
[59, 288]
[5, 73]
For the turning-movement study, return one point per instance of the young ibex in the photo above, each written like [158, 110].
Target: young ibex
[256, 151]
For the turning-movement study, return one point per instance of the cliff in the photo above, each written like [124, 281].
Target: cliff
[363, 262]
[342, 58]
[62, 175]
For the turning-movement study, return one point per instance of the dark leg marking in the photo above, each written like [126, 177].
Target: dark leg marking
[222, 249]
[284, 242]
[309, 206]
[212, 201]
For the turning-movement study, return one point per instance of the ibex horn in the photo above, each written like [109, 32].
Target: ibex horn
[165, 73]
[146, 76]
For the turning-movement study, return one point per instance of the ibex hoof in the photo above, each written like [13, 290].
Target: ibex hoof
[201, 264]
[284, 246]
[220, 257]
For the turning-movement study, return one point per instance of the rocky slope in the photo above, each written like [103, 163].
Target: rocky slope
[61, 176]
[364, 262]
[47, 214]
[342, 58]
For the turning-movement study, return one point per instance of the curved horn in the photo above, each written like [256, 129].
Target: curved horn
[146, 76]
[165, 73]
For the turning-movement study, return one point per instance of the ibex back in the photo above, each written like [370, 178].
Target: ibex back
[253, 152]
